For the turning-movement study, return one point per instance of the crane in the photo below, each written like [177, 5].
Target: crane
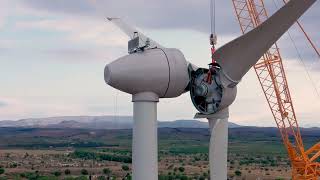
[272, 77]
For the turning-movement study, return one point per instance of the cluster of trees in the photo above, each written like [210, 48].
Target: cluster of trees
[2, 171]
[36, 176]
[179, 174]
[55, 175]
[265, 161]
[100, 156]
[179, 177]
[108, 174]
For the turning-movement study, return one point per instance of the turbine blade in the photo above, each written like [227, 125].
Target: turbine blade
[239, 55]
[130, 31]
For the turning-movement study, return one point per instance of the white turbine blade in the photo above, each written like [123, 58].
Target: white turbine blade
[218, 147]
[239, 55]
[130, 31]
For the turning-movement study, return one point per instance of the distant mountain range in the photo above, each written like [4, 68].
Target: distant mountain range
[313, 125]
[99, 122]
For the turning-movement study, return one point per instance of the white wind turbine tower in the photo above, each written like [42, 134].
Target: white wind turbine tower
[151, 71]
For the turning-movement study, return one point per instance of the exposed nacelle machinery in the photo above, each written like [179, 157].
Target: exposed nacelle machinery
[210, 97]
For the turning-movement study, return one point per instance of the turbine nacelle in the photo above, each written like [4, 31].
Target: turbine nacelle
[161, 71]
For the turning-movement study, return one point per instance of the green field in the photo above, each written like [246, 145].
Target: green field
[242, 141]
[255, 152]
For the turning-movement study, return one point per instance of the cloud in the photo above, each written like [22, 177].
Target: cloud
[4, 10]
[72, 6]
[188, 14]
[250, 107]
[167, 14]
[80, 30]
[33, 107]
[84, 55]
[78, 39]
[3, 104]
[84, 20]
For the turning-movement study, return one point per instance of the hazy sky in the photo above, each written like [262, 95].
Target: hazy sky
[53, 53]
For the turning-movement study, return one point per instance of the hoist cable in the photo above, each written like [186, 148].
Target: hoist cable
[309, 39]
[300, 57]
[304, 65]
[213, 16]
[307, 36]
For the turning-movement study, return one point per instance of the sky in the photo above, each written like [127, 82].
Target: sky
[53, 53]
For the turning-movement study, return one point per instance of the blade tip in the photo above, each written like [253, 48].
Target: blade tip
[111, 18]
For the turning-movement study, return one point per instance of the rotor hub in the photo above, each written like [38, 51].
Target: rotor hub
[205, 96]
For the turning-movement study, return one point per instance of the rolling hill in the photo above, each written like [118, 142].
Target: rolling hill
[99, 122]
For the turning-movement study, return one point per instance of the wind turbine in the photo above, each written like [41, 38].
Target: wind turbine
[151, 71]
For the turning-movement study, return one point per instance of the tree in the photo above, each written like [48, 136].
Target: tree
[128, 176]
[84, 172]
[14, 165]
[184, 177]
[238, 173]
[57, 173]
[81, 178]
[69, 178]
[107, 171]
[67, 172]
[181, 169]
[2, 171]
[101, 178]
[125, 167]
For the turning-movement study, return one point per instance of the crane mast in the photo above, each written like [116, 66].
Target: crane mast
[272, 77]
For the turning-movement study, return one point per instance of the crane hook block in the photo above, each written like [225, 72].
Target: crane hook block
[213, 39]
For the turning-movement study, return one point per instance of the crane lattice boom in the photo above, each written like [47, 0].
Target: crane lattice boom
[272, 77]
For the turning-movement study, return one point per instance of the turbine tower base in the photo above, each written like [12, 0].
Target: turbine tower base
[145, 141]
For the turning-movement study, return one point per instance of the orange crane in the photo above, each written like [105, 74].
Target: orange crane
[272, 77]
